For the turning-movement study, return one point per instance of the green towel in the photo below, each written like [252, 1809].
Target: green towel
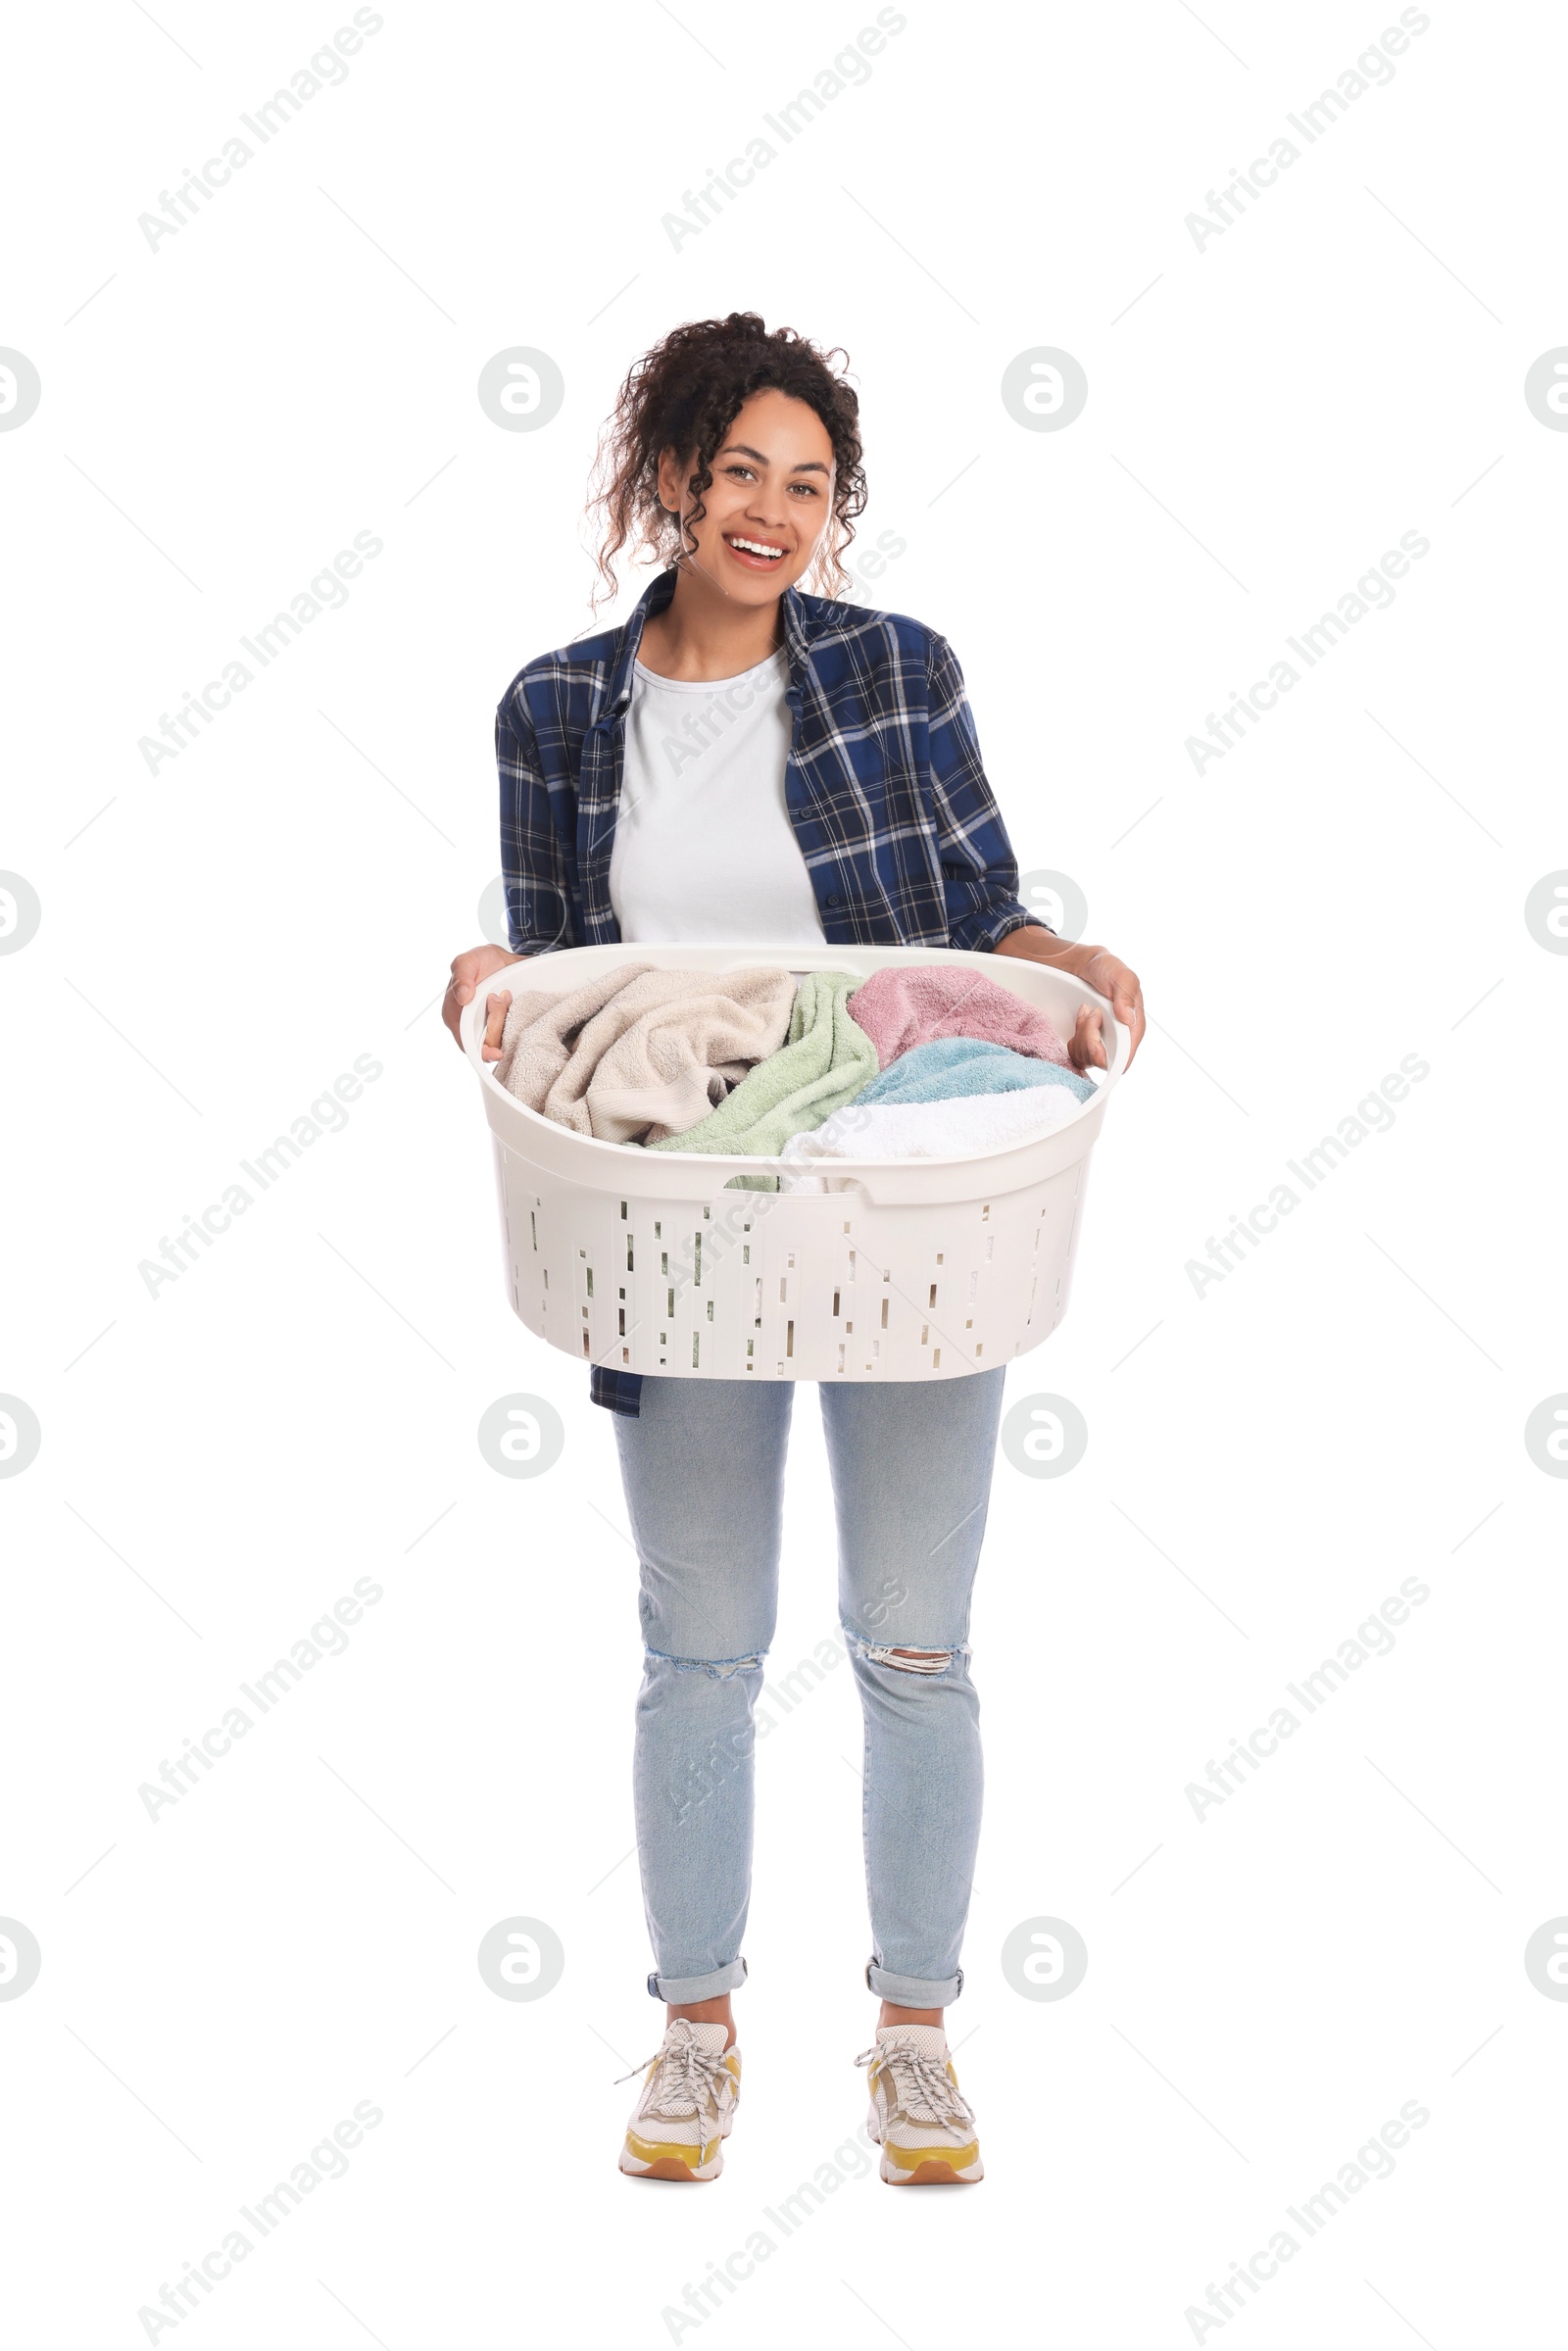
[825, 1060]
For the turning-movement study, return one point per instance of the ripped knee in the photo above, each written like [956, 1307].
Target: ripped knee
[720, 1669]
[908, 1661]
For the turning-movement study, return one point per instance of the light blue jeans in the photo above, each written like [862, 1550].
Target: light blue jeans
[704, 1472]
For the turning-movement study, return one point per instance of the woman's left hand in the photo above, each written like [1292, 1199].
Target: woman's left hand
[1100, 970]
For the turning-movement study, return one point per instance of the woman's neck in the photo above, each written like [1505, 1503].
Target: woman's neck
[703, 633]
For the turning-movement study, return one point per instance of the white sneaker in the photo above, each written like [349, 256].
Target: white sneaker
[924, 2126]
[685, 2106]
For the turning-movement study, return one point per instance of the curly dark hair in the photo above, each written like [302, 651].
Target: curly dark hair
[684, 395]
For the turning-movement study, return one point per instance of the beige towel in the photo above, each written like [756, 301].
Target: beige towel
[640, 1053]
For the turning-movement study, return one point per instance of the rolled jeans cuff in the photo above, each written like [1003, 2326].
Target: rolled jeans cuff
[912, 1991]
[682, 1990]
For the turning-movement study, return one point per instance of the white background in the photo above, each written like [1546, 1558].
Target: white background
[220, 1462]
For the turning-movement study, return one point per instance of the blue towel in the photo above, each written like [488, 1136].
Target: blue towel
[950, 1066]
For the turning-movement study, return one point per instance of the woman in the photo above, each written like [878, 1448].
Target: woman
[739, 761]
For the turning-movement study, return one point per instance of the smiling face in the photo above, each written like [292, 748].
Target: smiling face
[767, 505]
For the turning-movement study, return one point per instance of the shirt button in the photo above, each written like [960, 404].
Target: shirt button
[830, 902]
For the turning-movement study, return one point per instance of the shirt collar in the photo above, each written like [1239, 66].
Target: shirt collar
[803, 616]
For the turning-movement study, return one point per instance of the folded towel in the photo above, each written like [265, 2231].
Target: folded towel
[902, 1006]
[827, 1059]
[951, 1066]
[943, 1130]
[641, 1050]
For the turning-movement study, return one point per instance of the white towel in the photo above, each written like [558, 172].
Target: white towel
[974, 1122]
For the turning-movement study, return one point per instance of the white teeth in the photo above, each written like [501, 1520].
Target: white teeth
[752, 547]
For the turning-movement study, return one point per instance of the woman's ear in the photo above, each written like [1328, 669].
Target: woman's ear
[670, 484]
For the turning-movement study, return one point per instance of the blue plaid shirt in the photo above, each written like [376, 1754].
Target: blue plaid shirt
[884, 789]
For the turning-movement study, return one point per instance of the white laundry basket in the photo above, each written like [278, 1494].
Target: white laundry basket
[916, 1269]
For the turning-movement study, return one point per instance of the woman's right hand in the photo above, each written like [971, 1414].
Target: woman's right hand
[470, 971]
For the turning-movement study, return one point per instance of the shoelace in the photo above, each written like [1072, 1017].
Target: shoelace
[685, 2079]
[923, 2090]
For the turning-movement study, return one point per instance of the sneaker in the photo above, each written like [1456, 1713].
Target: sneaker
[924, 2126]
[685, 2106]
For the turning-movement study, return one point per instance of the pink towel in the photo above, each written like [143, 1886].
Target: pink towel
[904, 1005]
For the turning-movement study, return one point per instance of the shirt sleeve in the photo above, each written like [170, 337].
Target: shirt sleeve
[979, 871]
[540, 912]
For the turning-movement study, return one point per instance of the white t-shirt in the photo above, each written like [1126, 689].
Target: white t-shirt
[703, 847]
